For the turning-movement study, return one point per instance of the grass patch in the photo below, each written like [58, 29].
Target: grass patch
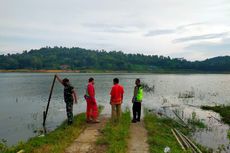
[223, 110]
[100, 108]
[196, 122]
[114, 135]
[160, 135]
[54, 142]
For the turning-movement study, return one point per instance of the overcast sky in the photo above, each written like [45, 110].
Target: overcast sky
[193, 29]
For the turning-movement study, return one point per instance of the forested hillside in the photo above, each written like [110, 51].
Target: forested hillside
[84, 59]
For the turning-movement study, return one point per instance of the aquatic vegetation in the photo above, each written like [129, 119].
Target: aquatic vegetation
[100, 108]
[187, 94]
[3, 146]
[160, 135]
[147, 88]
[228, 134]
[194, 121]
[223, 110]
[114, 135]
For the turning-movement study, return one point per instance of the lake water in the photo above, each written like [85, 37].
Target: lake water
[23, 98]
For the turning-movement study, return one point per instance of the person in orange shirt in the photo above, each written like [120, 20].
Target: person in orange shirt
[91, 110]
[116, 99]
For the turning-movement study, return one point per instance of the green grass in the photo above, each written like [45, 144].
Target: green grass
[160, 135]
[223, 110]
[195, 122]
[54, 142]
[115, 135]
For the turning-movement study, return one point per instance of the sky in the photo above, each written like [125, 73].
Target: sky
[190, 29]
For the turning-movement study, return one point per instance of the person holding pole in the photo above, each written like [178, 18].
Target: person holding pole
[137, 99]
[91, 109]
[70, 97]
[116, 100]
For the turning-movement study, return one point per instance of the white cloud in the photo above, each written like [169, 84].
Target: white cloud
[112, 24]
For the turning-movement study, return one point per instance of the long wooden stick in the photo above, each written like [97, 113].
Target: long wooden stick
[182, 139]
[186, 142]
[178, 140]
[48, 104]
[179, 117]
[193, 145]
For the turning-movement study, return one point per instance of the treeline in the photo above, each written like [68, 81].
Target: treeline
[83, 59]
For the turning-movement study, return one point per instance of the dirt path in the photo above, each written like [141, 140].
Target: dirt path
[138, 138]
[85, 143]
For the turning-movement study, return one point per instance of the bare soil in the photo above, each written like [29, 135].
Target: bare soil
[138, 138]
[85, 143]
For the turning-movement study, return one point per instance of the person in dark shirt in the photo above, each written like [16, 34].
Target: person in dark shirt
[70, 97]
[137, 100]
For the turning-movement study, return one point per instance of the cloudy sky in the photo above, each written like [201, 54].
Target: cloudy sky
[193, 29]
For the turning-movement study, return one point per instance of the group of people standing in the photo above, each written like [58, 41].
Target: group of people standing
[116, 99]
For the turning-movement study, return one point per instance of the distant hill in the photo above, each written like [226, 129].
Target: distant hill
[84, 59]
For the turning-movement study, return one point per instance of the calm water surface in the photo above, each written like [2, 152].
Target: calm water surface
[23, 98]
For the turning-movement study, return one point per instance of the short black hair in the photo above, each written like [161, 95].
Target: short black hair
[138, 80]
[116, 80]
[91, 79]
[65, 81]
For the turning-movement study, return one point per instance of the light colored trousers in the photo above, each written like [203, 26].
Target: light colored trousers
[116, 112]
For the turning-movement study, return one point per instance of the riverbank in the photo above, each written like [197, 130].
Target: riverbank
[160, 71]
[55, 141]
[161, 137]
[38, 71]
[113, 137]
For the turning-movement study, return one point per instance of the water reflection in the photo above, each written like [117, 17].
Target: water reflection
[23, 98]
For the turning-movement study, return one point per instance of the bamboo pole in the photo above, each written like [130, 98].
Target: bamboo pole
[193, 145]
[178, 140]
[186, 141]
[182, 124]
[179, 117]
[47, 107]
[182, 139]
[21, 151]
